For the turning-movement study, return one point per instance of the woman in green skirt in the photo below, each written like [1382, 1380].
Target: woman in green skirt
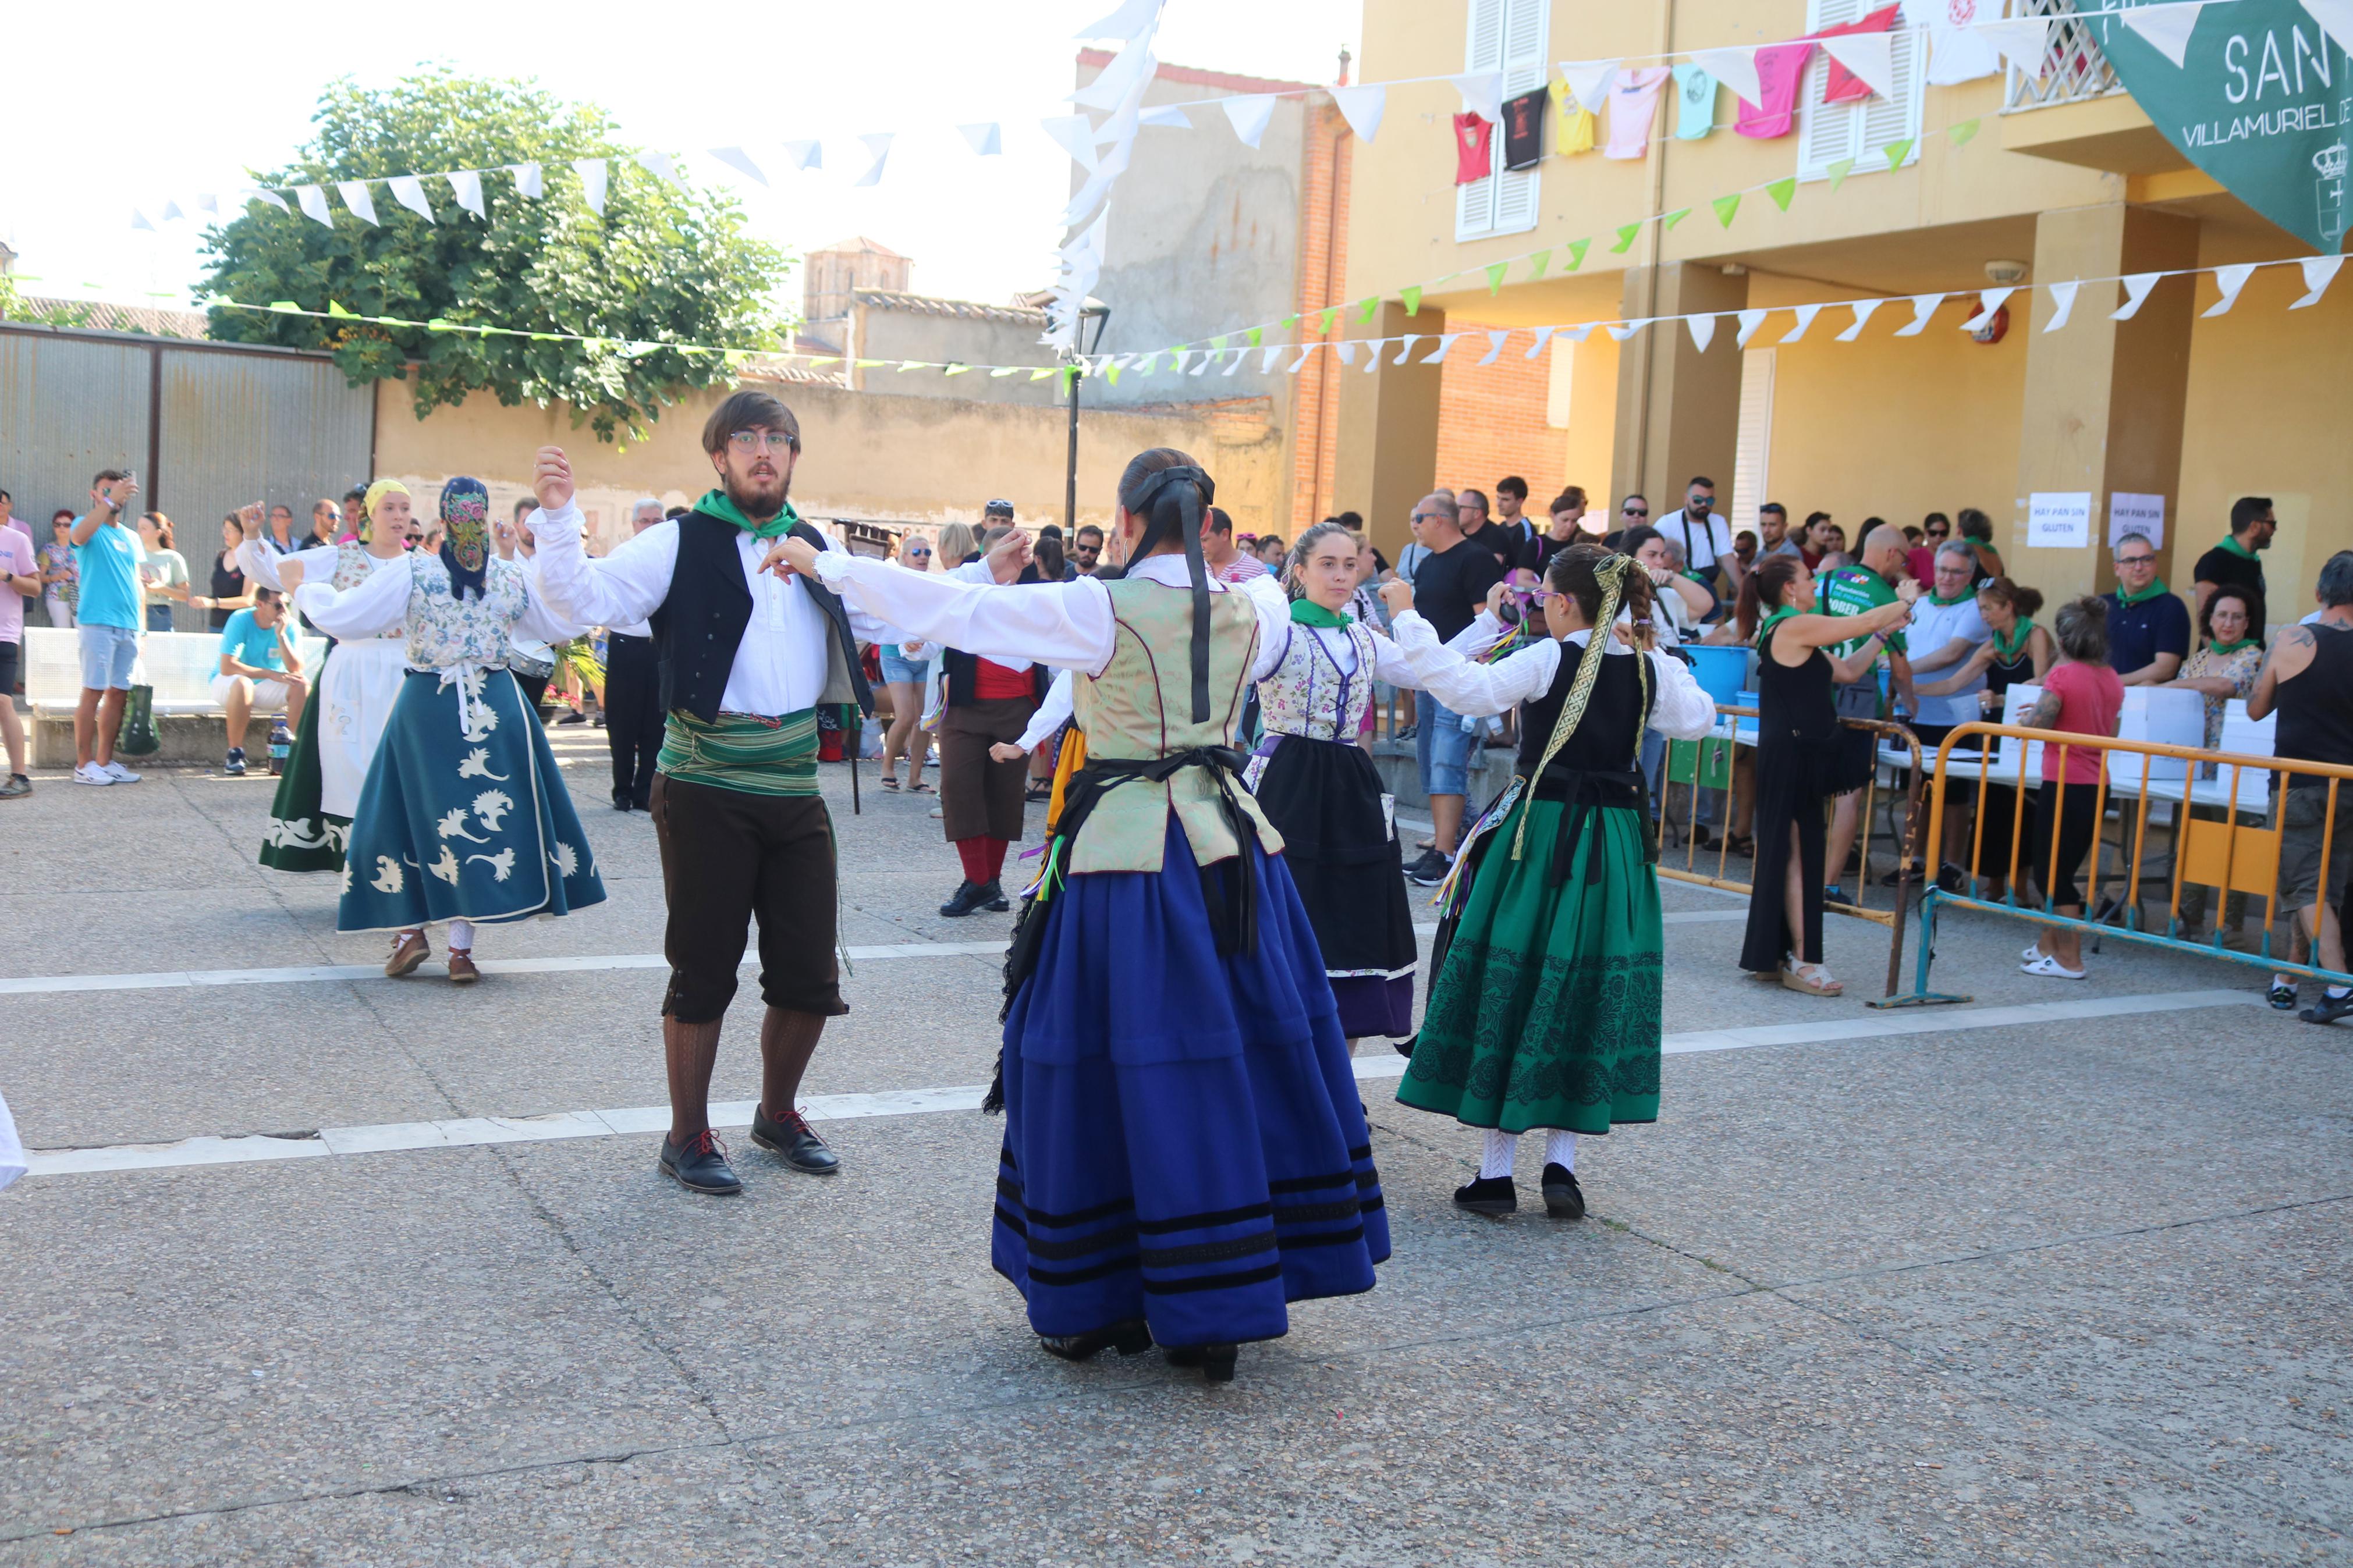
[1544, 997]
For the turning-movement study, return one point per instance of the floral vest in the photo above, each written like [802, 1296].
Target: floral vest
[444, 631]
[1308, 696]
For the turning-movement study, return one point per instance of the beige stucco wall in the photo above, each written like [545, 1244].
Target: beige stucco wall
[922, 460]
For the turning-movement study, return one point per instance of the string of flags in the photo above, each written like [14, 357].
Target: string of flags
[1291, 357]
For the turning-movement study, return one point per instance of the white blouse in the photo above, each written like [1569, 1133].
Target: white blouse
[1680, 710]
[379, 607]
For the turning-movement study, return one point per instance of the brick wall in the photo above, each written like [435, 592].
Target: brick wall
[1490, 418]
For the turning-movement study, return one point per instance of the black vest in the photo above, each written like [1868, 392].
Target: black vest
[1607, 739]
[701, 621]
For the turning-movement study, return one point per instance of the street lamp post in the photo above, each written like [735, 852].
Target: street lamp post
[1099, 313]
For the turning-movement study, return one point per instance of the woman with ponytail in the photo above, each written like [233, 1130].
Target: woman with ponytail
[1544, 993]
[1185, 1152]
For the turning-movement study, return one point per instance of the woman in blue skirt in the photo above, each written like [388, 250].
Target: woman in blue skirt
[464, 816]
[1185, 1152]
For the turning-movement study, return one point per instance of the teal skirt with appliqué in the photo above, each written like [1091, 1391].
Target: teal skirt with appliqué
[465, 814]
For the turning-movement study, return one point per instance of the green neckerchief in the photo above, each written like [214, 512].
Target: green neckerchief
[1943, 603]
[2144, 596]
[2010, 649]
[2237, 549]
[1775, 619]
[1308, 613]
[2225, 650]
[715, 503]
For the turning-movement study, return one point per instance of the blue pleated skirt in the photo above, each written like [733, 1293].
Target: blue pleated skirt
[1183, 1137]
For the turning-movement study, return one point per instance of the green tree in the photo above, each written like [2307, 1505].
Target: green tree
[662, 265]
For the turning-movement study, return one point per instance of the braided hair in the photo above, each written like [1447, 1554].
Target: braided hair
[1171, 494]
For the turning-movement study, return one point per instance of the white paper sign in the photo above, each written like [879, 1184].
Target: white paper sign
[2059, 520]
[2130, 513]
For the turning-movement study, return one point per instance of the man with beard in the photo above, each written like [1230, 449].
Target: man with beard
[744, 658]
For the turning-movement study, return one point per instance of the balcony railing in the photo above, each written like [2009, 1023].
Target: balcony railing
[2074, 68]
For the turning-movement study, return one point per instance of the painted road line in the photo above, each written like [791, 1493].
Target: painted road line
[476, 1131]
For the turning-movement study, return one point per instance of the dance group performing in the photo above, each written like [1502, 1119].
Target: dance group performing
[1209, 934]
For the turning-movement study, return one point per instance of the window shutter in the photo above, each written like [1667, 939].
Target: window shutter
[1508, 36]
[1482, 50]
[1830, 132]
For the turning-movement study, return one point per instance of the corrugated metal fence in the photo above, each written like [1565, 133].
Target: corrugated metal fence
[207, 428]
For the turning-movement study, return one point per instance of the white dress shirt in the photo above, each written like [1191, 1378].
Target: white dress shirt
[1701, 540]
[780, 666]
[1680, 710]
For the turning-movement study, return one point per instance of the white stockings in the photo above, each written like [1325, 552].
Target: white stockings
[1560, 1149]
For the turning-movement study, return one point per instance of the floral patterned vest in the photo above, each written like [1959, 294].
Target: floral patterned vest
[1308, 696]
[444, 631]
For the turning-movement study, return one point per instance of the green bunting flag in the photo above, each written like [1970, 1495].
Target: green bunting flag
[1675, 217]
[1255, 336]
[1147, 364]
[335, 309]
[1838, 169]
[286, 307]
[1496, 277]
[1411, 295]
[1367, 306]
[1218, 343]
[877, 364]
[1538, 263]
[1961, 133]
[1038, 374]
[1001, 372]
[1725, 207]
[1577, 249]
[955, 370]
[1626, 238]
[1897, 151]
[1324, 329]
[1289, 322]
[1112, 375]
[1781, 191]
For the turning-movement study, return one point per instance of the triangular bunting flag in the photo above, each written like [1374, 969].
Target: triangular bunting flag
[1496, 276]
[1989, 302]
[1838, 169]
[1898, 151]
[1675, 217]
[2230, 280]
[987, 139]
[1324, 327]
[1626, 234]
[336, 310]
[2319, 271]
[1496, 339]
[1735, 68]
[2024, 42]
[1445, 347]
[1863, 310]
[1346, 349]
[1703, 330]
[1362, 107]
[1268, 355]
[1305, 351]
[2137, 288]
[314, 204]
[1373, 354]
[1544, 336]
[466, 185]
[592, 182]
[139, 220]
[1869, 55]
[1577, 249]
[1806, 314]
[1367, 306]
[1621, 330]
[878, 148]
[1961, 134]
[1725, 207]
[530, 179]
[356, 196]
[1249, 116]
[1781, 191]
[1749, 320]
[741, 162]
[1405, 347]
[1235, 364]
[801, 156]
[1578, 333]
[409, 192]
[1255, 336]
[1170, 115]
[1588, 83]
[659, 165]
[1411, 295]
[1923, 306]
[1538, 263]
[2166, 26]
[1218, 343]
[2063, 305]
[1483, 94]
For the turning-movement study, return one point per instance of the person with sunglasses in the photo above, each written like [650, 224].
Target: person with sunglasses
[1703, 535]
[1634, 511]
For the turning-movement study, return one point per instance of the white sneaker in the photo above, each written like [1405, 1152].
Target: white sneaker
[120, 773]
[92, 773]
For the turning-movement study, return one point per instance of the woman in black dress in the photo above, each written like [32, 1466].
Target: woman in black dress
[229, 593]
[1800, 761]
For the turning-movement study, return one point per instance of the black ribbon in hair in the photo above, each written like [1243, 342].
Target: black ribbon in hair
[1195, 491]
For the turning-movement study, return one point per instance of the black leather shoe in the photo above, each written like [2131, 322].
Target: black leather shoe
[1488, 1194]
[969, 895]
[792, 1140]
[1563, 1199]
[621, 803]
[2328, 1009]
[994, 894]
[1216, 1361]
[1128, 1338]
[701, 1166]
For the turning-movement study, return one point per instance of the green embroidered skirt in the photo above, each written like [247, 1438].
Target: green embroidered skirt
[1545, 1012]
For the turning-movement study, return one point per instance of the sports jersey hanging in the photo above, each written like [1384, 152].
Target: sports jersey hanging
[1844, 86]
[1779, 69]
[1524, 129]
[1633, 105]
[1474, 141]
[1577, 122]
[1958, 51]
[1694, 102]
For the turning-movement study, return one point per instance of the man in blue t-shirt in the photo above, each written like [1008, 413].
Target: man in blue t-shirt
[107, 555]
[2149, 628]
[259, 671]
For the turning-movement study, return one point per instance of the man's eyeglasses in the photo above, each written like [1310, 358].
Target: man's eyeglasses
[2136, 560]
[919, 554]
[1433, 516]
[1635, 511]
[761, 441]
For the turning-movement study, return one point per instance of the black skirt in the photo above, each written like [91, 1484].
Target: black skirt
[1326, 799]
[1794, 776]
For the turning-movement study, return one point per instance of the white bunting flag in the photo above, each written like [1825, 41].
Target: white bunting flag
[171, 214]
[1495, 342]
[1125, 21]
[1735, 68]
[1703, 330]
[409, 192]
[2024, 42]
[1445, 347]
[254, 194]
[1248, 115]
[2063, 305]
[1171, 115]
[466, 185]
[741, 162]
[2166, 27]
[2335, 18]
[2319, 271]
[530, 179]
[986, 139]
[878, 148]
[801, 156]
[1544, 336]
[1869, 55]
[1361, 108]
[356, 196]
[1863, 310]
[208, 203]
[1372, 358]
[1749, 320]
[2137, 288]
[1236, 363]
[1177, 358]
[1306, 352]
[592, 182]
[1923, 306]
[139, 220]
[1483, 94]
[1578, 333]
[660, 166]
[1621, 330]
[1806, 314]
[2230, 280]
[1268, 355]
[1989, 302]
[1074, 134]
[1588, 81]
[1112, 83]
[1346, 349]
[1405, 347]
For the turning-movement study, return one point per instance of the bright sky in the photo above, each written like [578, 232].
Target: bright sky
[189, 103]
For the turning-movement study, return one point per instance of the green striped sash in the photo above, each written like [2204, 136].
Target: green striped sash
[758, 756]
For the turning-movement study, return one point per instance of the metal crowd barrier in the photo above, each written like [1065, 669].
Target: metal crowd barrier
[1712, 764]
[2235, 849]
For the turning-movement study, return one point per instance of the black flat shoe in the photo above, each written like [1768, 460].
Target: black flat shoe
[994, 894]
[791, 1141]
[1128, 1338]
[1563, 1199]
[2328, 1009]
[701, 1166]
[968, 897]
[1216, 1361]
[1488, 1194]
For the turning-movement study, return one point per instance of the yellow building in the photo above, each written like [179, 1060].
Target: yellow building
[2016, 177]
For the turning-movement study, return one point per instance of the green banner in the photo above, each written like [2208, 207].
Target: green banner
[2259, 103]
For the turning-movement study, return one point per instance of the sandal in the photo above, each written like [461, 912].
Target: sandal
[1742, 844]
[1040, 792]
[2050, 968]
[890, 783]
[1810, 978]
[919, 787]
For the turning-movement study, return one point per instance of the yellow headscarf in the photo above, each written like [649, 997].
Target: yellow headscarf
[376, 492]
